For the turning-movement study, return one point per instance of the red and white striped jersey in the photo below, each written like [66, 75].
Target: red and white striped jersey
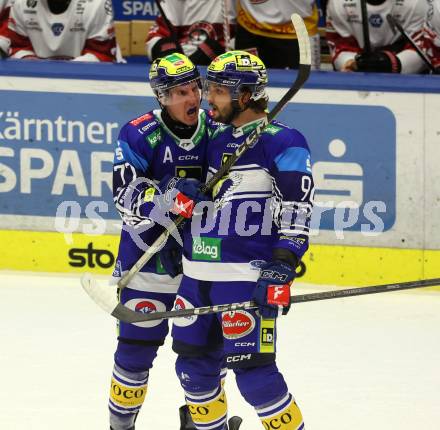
[271, 18]
[188, 16]
[5, 6]
[345, 35]
[432, 33]
[84, 32]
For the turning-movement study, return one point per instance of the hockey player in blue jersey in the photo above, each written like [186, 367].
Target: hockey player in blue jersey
[157, 154]
[248, 247]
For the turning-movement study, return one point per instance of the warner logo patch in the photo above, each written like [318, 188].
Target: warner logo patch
[237, 324]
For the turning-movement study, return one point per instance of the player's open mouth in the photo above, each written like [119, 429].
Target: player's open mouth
[191, 111]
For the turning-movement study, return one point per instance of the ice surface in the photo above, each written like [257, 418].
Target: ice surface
[362, 363]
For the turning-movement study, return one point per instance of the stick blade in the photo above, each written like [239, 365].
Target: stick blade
[305, 54]
[105, 296]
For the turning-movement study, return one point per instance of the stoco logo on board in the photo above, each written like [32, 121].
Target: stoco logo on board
[237, 324]
[91, 257]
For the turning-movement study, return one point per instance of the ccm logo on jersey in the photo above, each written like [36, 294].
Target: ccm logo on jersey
[188, 157]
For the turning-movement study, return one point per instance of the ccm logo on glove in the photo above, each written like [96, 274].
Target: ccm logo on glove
[274, 276]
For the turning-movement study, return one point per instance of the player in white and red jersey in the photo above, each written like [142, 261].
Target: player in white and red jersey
[391, 53]
[5, 6]
[265, 26]
[198, 26]
[78, 30]
[432, 35]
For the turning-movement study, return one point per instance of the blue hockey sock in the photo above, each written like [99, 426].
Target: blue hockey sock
[127, 394]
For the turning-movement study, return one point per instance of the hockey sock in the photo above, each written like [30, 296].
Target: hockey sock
[208, 410]
[127, 394]
[265, 389]
[283, 414]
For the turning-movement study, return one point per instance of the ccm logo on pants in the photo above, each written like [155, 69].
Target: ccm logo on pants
[237, 358]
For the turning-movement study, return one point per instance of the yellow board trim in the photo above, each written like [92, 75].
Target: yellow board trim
[326, 264]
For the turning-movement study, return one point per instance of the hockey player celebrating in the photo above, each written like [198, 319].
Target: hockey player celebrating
[63, 29]
[4, 38]
[390, 52]
[161, 152]
[267, 199]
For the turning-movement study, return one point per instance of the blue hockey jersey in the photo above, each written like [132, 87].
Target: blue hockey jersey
[146, 152]
[264, 202]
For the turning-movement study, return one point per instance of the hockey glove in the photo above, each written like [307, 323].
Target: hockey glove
[272, 292]
[380, 61]
[188, 194]
[171, 257]
[164, 47]
[206, 52]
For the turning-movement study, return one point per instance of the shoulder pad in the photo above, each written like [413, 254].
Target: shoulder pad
[147, 125]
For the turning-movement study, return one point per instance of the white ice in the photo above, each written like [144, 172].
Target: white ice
[361, 363]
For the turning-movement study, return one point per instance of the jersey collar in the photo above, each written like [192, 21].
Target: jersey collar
[194, 140]
[246, 128]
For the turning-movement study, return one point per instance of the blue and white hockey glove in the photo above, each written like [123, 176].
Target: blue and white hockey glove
[171, 257]
[272, 292]
[188, 194]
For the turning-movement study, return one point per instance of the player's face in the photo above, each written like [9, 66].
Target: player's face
[219, 98]
[183, 103]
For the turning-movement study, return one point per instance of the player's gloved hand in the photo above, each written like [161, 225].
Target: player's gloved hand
[188, 194]
[379, 61]
[171, 257]
[272, 292]
[206, 52]
[164, 47]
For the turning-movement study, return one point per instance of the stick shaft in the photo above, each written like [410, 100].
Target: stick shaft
[302, 298]
[365, 27]
[396, 24]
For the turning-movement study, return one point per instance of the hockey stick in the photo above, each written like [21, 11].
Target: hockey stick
[106, 295]
[226, 33]
[395, 24]
[170, 26]
[365, 27]
[132, 317]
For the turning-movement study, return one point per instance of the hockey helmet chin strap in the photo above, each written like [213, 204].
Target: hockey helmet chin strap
[236, 106]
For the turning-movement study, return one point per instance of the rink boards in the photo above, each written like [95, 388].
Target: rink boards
[374, 150]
